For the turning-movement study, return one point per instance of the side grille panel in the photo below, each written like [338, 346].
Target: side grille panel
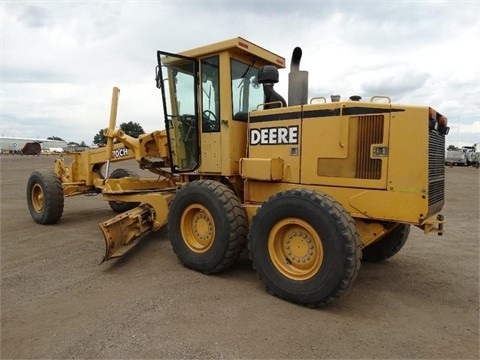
[436, 168]
[370, 131]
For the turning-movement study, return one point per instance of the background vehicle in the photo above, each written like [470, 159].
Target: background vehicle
[472, 154]
[466, 156]
[309, 185]
[32, 148]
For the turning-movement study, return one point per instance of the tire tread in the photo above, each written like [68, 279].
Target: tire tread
[53, 196]
[236, 218]
[347, 228]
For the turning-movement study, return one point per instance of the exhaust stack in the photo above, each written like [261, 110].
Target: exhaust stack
[297, 81]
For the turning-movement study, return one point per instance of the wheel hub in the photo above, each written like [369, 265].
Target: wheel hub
[37, 197]
[198, 228]
[295, 249]
[299, 247]
[202, 227]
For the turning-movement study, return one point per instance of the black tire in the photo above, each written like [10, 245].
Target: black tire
[388, 245]
[45, 197]
[207, 226]
[305, 247]
[120, 206]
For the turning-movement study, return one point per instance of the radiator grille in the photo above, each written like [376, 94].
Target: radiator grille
[370, 131]
[436, 167]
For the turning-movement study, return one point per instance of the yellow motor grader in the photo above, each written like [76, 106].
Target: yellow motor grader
[310, 184]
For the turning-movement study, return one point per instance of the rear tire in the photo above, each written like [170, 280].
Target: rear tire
[207, 226]
[305, 247]
[45, 197]
[388, 245]
[120, 206]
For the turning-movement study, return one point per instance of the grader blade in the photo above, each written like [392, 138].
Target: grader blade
[123, 231]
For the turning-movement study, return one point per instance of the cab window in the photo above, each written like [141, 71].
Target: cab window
[210, 94]
[247, 93]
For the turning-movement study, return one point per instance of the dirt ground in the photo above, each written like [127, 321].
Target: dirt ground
[58, 302]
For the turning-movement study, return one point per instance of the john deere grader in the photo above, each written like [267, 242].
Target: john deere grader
[310, 185]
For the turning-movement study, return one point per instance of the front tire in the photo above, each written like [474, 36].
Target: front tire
[207, 226]
[45, 197]
[305, 247]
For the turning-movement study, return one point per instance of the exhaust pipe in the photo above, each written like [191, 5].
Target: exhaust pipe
[297, 81]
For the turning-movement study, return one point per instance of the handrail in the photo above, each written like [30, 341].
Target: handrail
[269, 103]
[318, 98]
[381, 97]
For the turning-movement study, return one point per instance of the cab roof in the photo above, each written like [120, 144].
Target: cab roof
[237, 44]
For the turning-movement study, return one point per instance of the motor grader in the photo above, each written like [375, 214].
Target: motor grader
[308, 185]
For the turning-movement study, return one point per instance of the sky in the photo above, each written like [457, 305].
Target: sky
[60, 59]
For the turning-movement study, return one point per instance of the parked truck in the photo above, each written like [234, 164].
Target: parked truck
[473, 155]
[307, 185]
[466, 156]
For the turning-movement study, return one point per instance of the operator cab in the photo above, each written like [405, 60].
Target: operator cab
[207, 94]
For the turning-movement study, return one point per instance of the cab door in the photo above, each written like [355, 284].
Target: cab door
[211, 144]
[177, 77]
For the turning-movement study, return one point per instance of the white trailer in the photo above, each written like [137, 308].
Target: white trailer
[455, 157]
[466, 156]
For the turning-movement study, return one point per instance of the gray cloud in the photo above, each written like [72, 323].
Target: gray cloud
[68, 55]
[19, 75]
[396, 82]
[34, 16]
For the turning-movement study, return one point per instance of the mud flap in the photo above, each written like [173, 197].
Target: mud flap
[123, 231]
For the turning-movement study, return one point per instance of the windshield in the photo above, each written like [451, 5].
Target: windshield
[210, 76]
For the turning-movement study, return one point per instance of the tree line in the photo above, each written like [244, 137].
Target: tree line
[130, 128]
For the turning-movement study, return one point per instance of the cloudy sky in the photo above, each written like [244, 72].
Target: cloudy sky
[60, 59]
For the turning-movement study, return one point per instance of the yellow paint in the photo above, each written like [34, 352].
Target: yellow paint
[371, 157]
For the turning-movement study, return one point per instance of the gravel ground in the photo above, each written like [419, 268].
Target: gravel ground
[57, 301]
